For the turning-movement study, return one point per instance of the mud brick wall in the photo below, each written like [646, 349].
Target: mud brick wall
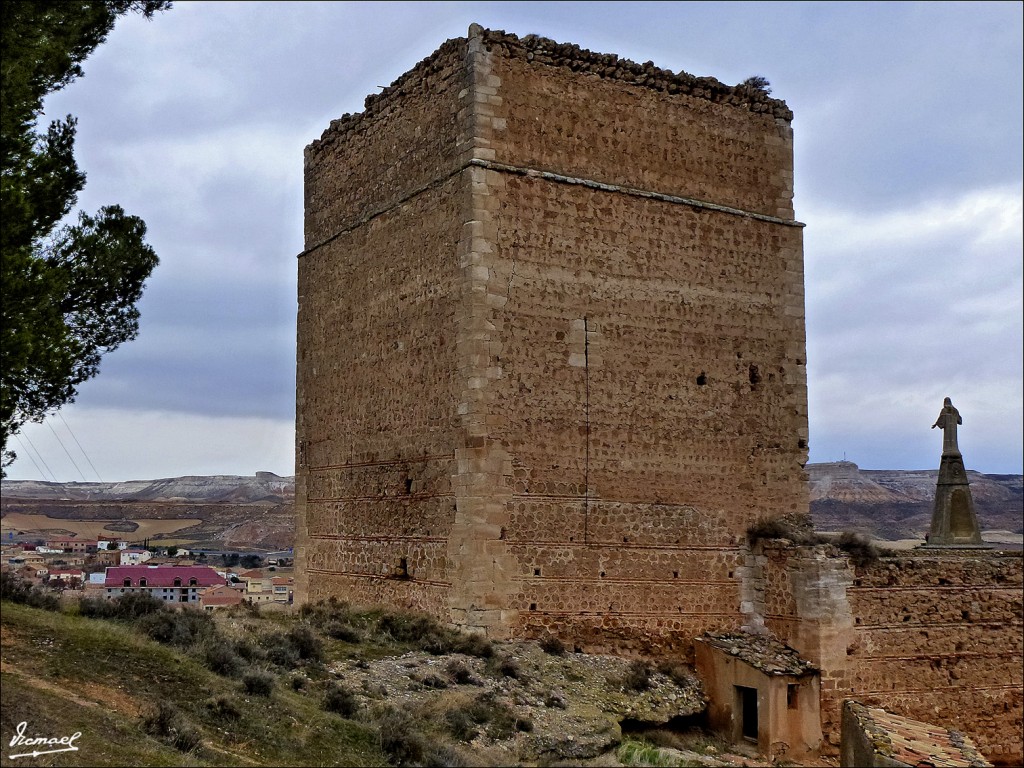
[551, 345]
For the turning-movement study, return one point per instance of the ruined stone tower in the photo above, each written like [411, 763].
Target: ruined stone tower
[550, 345]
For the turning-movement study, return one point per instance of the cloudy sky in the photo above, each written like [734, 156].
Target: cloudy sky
[908, 176]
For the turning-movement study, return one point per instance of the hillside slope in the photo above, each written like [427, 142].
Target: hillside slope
[897, 504]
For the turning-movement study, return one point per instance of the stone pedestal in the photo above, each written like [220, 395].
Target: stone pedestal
[954, 522]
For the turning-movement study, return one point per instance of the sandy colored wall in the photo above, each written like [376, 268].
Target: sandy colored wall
[652, 399]
[939, 639]
[379, 292]
[606, 364]
[933, 638]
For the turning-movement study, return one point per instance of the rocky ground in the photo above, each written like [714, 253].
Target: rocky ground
[557, 709]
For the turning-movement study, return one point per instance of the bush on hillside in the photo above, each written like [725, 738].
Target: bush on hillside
[17, 590]
[340, 700]
[166, 722]
[258, 682]
[127, 607]
[181, 628]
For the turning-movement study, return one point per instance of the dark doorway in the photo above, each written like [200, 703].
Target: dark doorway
[747, 701]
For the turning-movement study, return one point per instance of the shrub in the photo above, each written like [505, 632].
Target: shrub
[224, 707]
[427, 634]
[248, 650]
[678, 673]
[642, 753]
[342, 630]
[434, 682]
[484, 712]
[280, 650]
[401, 737]
[128, 607]
[167, 723]
[306, 642]
[472, 644]
[181, 628]
[220, 658]
[408, 627]
[340, 700]
[858, 548]
[554, 700]
[797, 528]
[445, 756]
[298, 682]
[637, 677]
[461, 724]
[506, 666]
[259, 682]
[459, 672]
[551, 644]
[16, 590]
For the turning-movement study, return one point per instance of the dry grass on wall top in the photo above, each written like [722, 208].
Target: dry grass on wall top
[799, 530]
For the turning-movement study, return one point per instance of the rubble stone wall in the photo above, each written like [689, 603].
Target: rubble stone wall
[377, 377]
[929, 637]
[551, 346]
[940, 639]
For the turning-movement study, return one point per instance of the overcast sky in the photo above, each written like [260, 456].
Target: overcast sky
[908, 176]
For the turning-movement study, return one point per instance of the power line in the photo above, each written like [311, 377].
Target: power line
[40, 455]
[66, 451]
[33, 458]
[80, 446]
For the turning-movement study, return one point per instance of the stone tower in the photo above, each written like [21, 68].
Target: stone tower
[550, 345]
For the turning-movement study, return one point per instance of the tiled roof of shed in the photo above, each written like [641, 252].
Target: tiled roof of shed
[761, 652]
[914, 743]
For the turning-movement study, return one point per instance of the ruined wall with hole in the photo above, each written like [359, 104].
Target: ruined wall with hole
[578, 314]
[933, 637]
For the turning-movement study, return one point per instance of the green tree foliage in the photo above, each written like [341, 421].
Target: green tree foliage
[69, 287]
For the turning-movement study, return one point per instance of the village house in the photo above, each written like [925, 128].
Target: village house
[283, 588]
[135, 556]
[71, 544]
[172, 584]
[71, 577]
[215, 598]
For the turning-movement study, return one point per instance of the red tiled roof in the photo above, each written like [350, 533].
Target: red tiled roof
[912, 742]
[221, 596]
[162, 576]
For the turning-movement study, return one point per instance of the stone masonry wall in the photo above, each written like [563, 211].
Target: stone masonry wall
[930, 637]
[940, 639]
[551, 346]
[377, 379]
[652, 388]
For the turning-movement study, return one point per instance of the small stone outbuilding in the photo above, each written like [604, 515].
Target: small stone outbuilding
[760, 691]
